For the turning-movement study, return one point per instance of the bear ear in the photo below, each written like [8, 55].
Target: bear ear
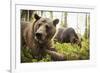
[56, 21]
[36, 17]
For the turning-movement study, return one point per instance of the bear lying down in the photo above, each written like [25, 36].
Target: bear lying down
[67, 35]
[37, 37]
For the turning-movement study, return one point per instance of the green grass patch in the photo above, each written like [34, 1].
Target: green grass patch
[71, 52]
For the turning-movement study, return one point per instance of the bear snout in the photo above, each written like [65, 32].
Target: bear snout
[38, 35]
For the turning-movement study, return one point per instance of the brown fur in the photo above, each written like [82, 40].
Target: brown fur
[38, 46]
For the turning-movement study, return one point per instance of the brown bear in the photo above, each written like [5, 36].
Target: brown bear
[67, 35]
[57, 35]
[70, 36]
[37, 37]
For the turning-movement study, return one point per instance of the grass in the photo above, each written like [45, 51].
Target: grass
[74, 52]
[71, 52]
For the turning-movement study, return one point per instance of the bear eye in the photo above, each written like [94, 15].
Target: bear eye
[47, 28]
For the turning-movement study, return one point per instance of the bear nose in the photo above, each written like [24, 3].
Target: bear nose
[39, 35]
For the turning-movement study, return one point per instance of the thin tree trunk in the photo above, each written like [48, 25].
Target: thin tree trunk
[51, 14]
[88, 35]
[41, 13]
[86, 26]
[27, 15]
[65, 19]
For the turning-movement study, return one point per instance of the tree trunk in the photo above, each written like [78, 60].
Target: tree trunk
[51, 14]
[65, 19]
[86, 27]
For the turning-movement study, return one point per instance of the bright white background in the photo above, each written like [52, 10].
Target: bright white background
[5, 37]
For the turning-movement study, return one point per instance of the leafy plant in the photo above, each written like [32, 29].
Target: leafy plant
[71, 52]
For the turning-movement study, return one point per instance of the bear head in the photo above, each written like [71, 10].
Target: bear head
[44, 28]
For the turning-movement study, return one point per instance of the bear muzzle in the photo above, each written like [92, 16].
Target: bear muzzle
[40, 37]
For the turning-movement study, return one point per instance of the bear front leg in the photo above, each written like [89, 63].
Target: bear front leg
[55, 55]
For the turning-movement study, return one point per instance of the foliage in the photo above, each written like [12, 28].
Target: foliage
[71, 52]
